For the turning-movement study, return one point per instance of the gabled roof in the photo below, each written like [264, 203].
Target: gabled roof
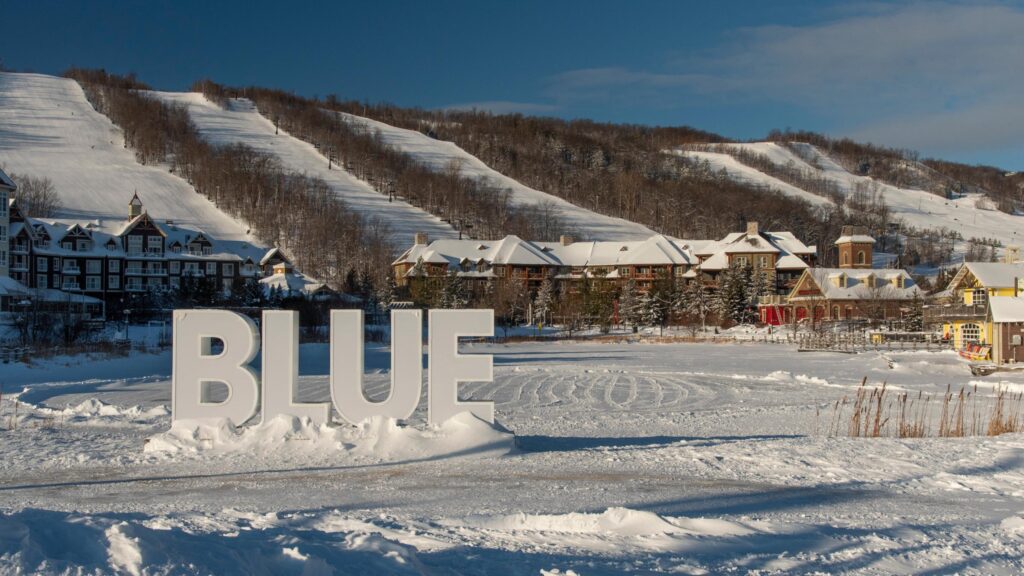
[1006, 308]
[857, 285]
[275, 251]
[131, 224]
[989, 274]
[6, 182]
[855, 238]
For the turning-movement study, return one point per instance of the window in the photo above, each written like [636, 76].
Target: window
[207, 250]
[176, 248]
[624, 272]
[83, 246]
[192, 268]
[980, 296]
[211, 268]
[41, 281]
[66, 245]
[134, 245]
[861, 258]
[3, 233]
[174, 266]
[740, 260]
[42, 264]
[762, 261]
[113, 265]
[3, 203]
[69, 283]
[93, 283]
[154, 244]
[93, 266]
[229, 269]
[846, 258]
[970, 333]
[133, 283]
[114, 282]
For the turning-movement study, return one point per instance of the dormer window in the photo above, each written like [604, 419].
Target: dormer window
[67, 245]
[207, 250]
[84, 246]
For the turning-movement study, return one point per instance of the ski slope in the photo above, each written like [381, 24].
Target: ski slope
[241, 123]
[742, 173]
[918, 208]
[438, 155]
[923, 209]
[48, 129]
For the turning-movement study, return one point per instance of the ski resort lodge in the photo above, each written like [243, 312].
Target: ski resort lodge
[80, 267]
[780, 255]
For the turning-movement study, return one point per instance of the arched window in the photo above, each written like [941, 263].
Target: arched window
[970, 333]
[846, 257]
[861, 257]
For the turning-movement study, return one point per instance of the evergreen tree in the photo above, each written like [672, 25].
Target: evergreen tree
[759, 286]
[914, 320]
[386, 293]
[732, 298]
[629, 304]
[699, 300]
[454, 294]
[544, 301]
[652, 310]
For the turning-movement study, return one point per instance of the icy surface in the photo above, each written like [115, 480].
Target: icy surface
[670, 458]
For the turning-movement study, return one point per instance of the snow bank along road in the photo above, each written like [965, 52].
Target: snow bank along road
[48, 129]
[241, 123]
[631, 457]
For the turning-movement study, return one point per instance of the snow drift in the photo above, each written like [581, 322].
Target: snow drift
[460, 435]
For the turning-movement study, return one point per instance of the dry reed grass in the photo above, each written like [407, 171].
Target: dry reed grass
[876, 412]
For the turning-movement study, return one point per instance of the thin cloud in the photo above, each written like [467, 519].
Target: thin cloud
[929, 76]
[506, 107]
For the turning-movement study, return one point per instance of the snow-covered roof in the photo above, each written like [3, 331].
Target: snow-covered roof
[991, 274]
[6, 182]
[291, 284]
[1007, 309]
[856, 284]
[107, 244]
[856, 238]
[11, 287]
[791, 262]
[275, 251]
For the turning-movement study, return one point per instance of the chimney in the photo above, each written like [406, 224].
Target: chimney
[565, 240]
[752, 229]
[421, 238]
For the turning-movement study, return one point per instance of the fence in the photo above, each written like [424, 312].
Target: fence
[854, 343]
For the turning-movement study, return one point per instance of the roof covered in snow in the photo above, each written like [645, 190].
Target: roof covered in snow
[856, 238]
[6, 182]
[990, 274]
[1007, 309]
[657, 250]
[863, 284]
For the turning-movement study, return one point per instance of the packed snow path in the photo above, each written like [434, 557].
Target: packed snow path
[650, 458]
[241, 123]
[48, 129]
[438, 155]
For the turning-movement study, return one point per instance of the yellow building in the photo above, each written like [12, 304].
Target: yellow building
[965, 319]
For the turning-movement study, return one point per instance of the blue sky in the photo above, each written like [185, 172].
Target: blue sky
[946, 79]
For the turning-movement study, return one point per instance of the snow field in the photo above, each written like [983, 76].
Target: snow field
[241, 123]
[650, 458]
[438, 155]
[48, 129]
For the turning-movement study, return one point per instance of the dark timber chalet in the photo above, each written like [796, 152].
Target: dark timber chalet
[141, 254]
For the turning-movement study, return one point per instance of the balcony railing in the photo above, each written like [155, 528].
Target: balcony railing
[955, 311]
[71, 270]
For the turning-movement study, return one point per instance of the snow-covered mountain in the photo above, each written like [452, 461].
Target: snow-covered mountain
[241, 123]
[972, 215]
[48, 129]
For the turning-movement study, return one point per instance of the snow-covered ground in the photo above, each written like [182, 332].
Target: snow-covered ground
[439, 155]
[48, 129]
[241, 123]
[970, 215]
[647, 458]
